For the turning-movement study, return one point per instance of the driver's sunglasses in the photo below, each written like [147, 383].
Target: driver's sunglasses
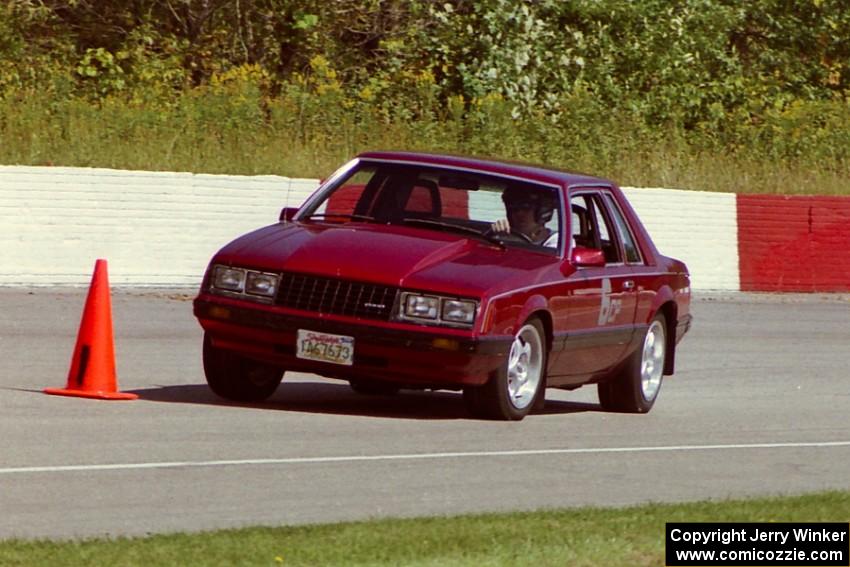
[521, 206]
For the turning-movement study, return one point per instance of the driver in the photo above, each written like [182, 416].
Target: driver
[528, 211]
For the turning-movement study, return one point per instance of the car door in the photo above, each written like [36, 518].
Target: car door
[601, 300]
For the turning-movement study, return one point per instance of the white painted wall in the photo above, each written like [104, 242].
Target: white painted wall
[697, 227]
[158, 228]
[154, 228]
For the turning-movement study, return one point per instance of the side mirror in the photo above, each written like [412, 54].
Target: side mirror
[288, 213]
[587, 257]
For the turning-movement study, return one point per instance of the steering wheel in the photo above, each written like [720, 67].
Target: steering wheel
[490, 232]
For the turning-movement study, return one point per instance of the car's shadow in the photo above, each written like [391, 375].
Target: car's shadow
[339, 399]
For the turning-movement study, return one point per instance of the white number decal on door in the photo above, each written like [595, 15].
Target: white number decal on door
[610, 307]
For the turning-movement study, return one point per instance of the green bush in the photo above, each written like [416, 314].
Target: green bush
[703, 94]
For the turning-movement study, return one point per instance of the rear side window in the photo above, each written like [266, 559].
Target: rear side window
[629, 246]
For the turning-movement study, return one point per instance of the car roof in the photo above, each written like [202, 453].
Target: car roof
[513, 169]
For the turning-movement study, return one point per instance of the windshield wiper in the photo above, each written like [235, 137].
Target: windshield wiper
[339, 216]
[460, 228]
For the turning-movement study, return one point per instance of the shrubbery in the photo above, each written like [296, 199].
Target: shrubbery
[699, 93]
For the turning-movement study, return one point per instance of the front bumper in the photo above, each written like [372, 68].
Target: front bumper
[431, 357]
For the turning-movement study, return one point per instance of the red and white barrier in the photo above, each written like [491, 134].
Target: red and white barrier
[794, 243]
[159, 228]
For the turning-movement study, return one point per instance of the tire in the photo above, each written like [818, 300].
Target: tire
[373, 388]
[636, 388]
[237, 378]
[519, 385]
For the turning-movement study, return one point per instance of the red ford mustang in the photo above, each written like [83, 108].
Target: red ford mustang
[407, 270]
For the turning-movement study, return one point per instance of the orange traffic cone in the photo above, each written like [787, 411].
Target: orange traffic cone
[92, 373]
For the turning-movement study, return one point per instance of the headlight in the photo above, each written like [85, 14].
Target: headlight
[458, 311]
[259, 283]
[244, 284]
[421, 306]
[229, 279]
[447, 311]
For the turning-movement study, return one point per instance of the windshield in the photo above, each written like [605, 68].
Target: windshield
[509, 212]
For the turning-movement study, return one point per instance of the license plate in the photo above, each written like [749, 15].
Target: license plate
[336, 349]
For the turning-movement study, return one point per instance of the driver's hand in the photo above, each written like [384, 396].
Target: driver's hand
[501, 226]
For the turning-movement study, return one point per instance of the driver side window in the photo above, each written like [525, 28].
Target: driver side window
[591, 227]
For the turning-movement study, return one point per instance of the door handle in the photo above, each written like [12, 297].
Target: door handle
[628, 285]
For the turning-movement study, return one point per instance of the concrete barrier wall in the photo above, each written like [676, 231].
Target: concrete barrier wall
[696, 227]
[794, 243]
[160, 228]
[154, 228]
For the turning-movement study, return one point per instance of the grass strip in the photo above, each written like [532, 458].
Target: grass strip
[581, 536]
[310, 137]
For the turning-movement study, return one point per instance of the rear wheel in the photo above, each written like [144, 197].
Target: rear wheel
[235, 377]
[519, 384]
[636, 388]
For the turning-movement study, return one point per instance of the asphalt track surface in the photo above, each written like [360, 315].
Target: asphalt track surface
[760, 405]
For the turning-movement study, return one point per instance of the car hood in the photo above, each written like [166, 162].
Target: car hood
[391, 255]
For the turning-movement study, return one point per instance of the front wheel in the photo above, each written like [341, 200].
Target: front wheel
[237, 378]
[518, 386]
[636, 388]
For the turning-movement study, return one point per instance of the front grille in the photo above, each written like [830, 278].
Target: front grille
[339, 297]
